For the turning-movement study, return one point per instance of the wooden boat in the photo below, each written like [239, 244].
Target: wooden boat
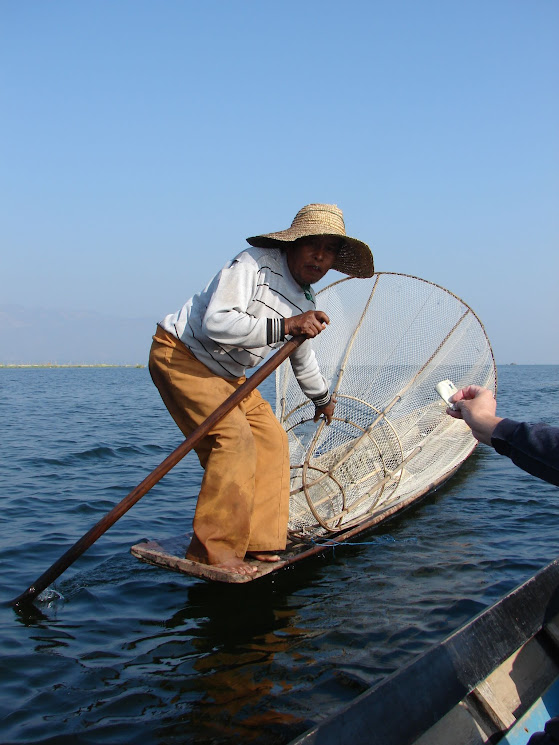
[495, 680]
[390, 442]
[169, 553]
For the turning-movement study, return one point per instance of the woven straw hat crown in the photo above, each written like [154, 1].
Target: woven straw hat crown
[354, 257]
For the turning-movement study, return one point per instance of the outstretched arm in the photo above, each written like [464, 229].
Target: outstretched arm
[532, 447]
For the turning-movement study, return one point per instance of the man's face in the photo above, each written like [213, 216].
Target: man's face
[309, 259]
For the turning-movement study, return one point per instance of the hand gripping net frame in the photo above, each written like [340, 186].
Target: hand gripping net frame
[392, 338]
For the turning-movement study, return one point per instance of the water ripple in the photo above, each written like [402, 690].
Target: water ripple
[133, 654]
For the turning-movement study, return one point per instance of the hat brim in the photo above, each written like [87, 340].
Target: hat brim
[354, 257]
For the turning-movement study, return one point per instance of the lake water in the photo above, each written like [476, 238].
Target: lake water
[134, 654]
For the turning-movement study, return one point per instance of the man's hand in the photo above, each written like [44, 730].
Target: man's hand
[326, 411]
[476, 406]
[308, 324]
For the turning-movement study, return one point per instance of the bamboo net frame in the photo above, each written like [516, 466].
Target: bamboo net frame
[391, 339]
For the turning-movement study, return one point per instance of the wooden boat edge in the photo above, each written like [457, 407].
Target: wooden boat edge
[158, 553]
[435, 698]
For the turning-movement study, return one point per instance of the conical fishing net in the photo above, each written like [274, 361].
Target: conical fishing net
[391, 339]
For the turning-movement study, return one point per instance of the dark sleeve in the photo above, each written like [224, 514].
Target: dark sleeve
[549, 737]
[532, 447]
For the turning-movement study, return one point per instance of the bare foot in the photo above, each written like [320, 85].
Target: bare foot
[264, 556]
[237, 565]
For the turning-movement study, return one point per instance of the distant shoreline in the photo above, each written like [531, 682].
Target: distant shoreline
[48, 365]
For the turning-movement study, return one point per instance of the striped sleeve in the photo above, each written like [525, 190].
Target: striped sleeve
[322, 400]
[275, 330]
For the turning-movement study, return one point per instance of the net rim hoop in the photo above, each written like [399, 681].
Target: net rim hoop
[434, 284]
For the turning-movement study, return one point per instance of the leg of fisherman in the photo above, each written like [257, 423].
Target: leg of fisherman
[268, 531]
[222, 520]
[191, 393]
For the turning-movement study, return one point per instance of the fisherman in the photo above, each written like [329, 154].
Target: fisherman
[199, 357]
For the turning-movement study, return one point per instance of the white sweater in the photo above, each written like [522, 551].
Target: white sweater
[237, 320]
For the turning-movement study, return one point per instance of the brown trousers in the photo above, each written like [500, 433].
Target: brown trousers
[243, 504]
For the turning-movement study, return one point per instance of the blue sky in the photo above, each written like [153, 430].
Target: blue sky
[141, 142]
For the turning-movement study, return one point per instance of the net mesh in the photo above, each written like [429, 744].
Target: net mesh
[392, 339]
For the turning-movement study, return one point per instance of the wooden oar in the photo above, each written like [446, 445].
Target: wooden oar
[122, 507]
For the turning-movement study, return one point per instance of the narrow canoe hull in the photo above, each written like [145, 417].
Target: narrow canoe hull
[169, 553]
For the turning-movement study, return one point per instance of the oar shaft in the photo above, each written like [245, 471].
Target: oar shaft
[157, 474]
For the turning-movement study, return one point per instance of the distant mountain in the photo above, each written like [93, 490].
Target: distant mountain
[37, 335]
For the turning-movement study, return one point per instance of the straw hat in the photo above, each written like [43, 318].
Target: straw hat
[354, 258]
